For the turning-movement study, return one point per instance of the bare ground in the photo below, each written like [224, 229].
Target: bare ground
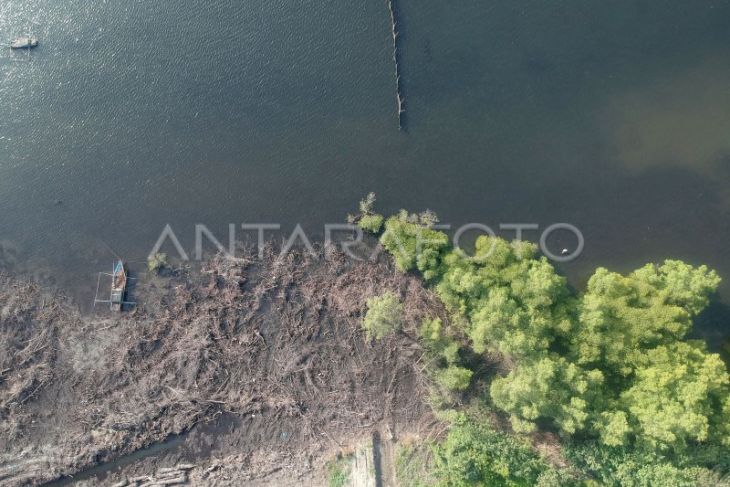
[259, 363]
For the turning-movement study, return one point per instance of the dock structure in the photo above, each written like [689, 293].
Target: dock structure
[400, 101]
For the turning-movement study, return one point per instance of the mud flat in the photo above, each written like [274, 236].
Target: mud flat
[259, 364]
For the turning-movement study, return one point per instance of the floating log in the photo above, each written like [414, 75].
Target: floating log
[181, 480]
[400, 101]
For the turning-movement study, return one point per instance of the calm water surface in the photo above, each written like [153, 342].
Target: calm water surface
[613, 116]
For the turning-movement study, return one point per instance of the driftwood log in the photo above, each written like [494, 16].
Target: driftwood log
[400, 101]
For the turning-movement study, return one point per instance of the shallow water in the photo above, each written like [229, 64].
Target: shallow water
[612, 116]
[106, 468]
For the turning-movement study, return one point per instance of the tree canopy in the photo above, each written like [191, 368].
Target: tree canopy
[384, 315]
[611, 366]
[611, 362]
[414, 244]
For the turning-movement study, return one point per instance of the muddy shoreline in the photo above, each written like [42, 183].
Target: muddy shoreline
[258, 366]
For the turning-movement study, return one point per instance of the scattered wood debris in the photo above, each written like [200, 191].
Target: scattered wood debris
[274, 343]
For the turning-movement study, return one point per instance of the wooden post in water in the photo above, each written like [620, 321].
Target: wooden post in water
[400, 101]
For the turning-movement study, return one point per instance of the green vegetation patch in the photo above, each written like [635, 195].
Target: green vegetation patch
[157, 262]
[371, 223]
[338, 471]
[384, 316]
[477, 455]
[413, 466]
[611, 367]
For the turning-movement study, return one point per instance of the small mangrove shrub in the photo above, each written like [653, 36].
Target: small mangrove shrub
[367, 219]
[338, 471]
[476, 454]
[371, 223]
[367, 204]
[454, 378]
[157, 262]
[384, 316]
[412, 466]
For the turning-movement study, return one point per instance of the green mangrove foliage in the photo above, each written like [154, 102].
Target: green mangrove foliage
[621, 317]
[612, 363]
[414, 244]
[367, 220]
[514, 302]
[451, 376]
[621, 467]
[454, 378]
[371, 223]
[157, 262]
[549, 387]
[475, 454]
[383, 317]
[338, 471]
[413, 465]
[679, 396]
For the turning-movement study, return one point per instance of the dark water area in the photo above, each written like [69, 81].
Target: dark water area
[102, 470]
[612, 116]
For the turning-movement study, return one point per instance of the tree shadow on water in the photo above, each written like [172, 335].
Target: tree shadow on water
[713, 326]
